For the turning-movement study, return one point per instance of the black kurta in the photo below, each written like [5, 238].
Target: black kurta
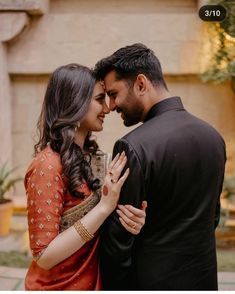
[177, 164]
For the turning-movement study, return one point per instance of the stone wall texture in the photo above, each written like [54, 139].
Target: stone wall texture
[60, 32]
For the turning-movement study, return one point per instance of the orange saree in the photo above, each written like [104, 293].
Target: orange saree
[52, 209]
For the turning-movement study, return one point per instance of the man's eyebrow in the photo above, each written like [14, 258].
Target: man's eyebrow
[111, 92]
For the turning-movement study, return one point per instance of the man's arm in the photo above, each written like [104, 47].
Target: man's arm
[217, 213]
[218, 205]
[116, 243]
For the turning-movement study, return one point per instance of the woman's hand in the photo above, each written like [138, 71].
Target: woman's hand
[132, 219]
[113, 184]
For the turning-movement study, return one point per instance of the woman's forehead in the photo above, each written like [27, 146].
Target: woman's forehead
[99, 86]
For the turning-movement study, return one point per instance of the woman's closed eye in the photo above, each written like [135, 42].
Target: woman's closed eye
[100, 99]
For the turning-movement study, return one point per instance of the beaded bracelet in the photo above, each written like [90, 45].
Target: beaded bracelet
[82, 231]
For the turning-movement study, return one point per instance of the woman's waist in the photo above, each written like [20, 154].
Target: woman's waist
[83, 264]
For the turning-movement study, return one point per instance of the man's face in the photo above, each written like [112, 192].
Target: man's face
[123, 99]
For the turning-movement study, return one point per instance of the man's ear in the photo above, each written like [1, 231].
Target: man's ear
[141, 84]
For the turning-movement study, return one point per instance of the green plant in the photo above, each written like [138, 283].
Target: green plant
[220, 55]
[229, 195]
[6, 183]
[15, 259]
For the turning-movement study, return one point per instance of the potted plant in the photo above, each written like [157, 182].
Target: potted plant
[6, 204]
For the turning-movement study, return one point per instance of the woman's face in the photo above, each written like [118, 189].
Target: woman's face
[94, 118]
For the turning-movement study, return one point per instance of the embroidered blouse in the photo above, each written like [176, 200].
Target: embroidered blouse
[51, 209]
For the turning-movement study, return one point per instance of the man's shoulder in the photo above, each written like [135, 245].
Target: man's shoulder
[134, 135]
[164, 128]
[202, 124]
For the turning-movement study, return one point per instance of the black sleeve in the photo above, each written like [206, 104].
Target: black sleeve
[218, 205]
[117, 243]
[217, 213]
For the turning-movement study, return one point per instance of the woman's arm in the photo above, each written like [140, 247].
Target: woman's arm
[69, 241]
[131, 218]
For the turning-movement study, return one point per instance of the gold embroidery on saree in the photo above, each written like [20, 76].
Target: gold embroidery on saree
[99, 164]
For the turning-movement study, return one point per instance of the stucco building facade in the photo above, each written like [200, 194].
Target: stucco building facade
[36, 36]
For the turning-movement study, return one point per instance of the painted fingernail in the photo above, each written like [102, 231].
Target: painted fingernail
[144, 204]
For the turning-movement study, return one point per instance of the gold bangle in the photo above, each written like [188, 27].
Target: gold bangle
[82, 231]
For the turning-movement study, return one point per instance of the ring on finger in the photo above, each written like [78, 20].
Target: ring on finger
[110, 173]
[113, 181]
[134, 226]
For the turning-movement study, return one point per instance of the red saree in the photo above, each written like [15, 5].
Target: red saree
[48, 200]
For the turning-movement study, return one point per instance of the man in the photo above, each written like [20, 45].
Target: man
[177, 164]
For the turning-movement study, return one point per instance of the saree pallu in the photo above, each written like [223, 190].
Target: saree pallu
[78, 272]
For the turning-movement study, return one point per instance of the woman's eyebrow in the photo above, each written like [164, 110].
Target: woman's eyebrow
[100, 95]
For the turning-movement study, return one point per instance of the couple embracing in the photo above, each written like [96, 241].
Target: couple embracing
[145, 221]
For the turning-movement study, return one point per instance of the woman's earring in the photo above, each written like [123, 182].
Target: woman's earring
[77, 126]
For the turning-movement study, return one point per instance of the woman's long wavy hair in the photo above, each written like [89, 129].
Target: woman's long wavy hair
[66, 102]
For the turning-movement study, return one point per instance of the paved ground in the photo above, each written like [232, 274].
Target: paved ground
[13, 278]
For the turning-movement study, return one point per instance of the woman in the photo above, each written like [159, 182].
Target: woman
[66, 202]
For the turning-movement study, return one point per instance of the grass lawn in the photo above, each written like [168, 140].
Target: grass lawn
[226, 259]
[14, 259]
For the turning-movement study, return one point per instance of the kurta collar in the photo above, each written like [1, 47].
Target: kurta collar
[165, 105]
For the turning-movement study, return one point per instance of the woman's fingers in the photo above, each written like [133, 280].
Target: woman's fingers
[144, 205]
[129, 219]
[134, 231]
[112, 163]
[116, 166]
[123, 178]
[119, 169]
[119, 161]
[132, 218]
[136, 211]
[132, 212]
[116, 161]
[132, 224]
[126, 211]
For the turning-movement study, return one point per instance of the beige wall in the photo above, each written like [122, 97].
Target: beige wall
[214, 104]
[84, 31]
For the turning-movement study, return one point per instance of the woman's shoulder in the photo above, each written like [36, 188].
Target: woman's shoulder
[47, 159]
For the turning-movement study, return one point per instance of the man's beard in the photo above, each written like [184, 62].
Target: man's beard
[134, 113]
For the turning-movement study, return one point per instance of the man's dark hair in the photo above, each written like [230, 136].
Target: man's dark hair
[130, 61]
